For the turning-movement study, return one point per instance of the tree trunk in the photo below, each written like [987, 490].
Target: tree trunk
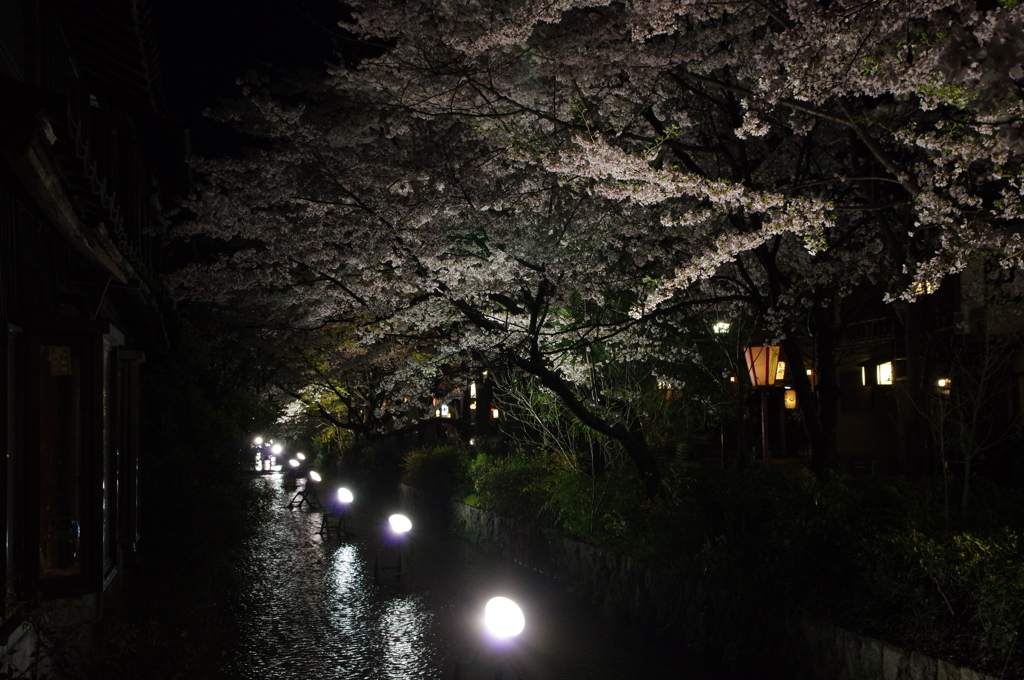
[913, 404]
[817, 407]
[631, 437]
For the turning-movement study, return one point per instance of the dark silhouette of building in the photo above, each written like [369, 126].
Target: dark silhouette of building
[87, 162]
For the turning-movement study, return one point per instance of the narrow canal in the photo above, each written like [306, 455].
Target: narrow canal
[314, 611]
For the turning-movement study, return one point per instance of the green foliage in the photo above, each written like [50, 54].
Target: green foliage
[375, 463]
[874, 554]
[443, 470]
[513, 485]
[963, 582]
[602, 511]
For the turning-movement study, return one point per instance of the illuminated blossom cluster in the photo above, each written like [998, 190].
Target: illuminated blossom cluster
[527, 179]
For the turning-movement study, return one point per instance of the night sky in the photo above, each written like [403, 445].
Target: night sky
[204, 47]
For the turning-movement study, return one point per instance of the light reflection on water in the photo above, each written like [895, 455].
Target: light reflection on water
[404, 627]
[315, 611]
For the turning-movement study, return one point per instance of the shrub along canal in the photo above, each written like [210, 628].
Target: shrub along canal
[313, 609]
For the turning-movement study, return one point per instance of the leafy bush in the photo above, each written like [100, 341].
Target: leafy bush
[441, 469]
[960, 582]
[514, 486]
[875, 554]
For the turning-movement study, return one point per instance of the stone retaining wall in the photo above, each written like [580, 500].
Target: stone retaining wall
[744, 634]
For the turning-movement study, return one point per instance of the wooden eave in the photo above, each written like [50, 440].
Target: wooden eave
[37, 169]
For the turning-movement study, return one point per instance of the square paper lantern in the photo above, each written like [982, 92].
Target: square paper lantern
[762, 365]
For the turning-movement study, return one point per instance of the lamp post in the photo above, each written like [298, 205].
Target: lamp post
[392, 563]
[337, 507]
[763, 368]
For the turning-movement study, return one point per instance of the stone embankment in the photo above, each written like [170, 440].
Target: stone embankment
[745, 633]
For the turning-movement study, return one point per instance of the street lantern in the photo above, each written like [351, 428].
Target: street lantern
[789, 399]
[762, 365]
[763, 369]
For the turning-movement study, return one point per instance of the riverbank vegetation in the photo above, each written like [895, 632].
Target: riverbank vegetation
[880, 555]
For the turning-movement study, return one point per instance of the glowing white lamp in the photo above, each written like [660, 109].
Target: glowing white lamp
[314, 475]
[345, 496]
[276, 449]
[294, 463]
[503, 617]
[400, 524]
[257, 441]
[300, 455]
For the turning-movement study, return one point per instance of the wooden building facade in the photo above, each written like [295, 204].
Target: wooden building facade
[87, 162]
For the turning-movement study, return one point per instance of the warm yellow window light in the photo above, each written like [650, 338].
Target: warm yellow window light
[883, 373]
[721, 327]
[923, 287]
[494, 413]
[472, 389]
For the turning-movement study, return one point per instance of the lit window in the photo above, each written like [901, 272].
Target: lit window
[472, 389]
[883, 372]
[721, 327]
[923, 287]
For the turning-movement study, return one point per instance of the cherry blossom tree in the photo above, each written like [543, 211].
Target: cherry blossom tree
[523, 181]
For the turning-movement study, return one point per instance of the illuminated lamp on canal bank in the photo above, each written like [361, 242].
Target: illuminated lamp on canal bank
[337, 510]
[763, 368]
[400, 524]
[503, 618]
[391, 565]
[503, 621]
[307, 494]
